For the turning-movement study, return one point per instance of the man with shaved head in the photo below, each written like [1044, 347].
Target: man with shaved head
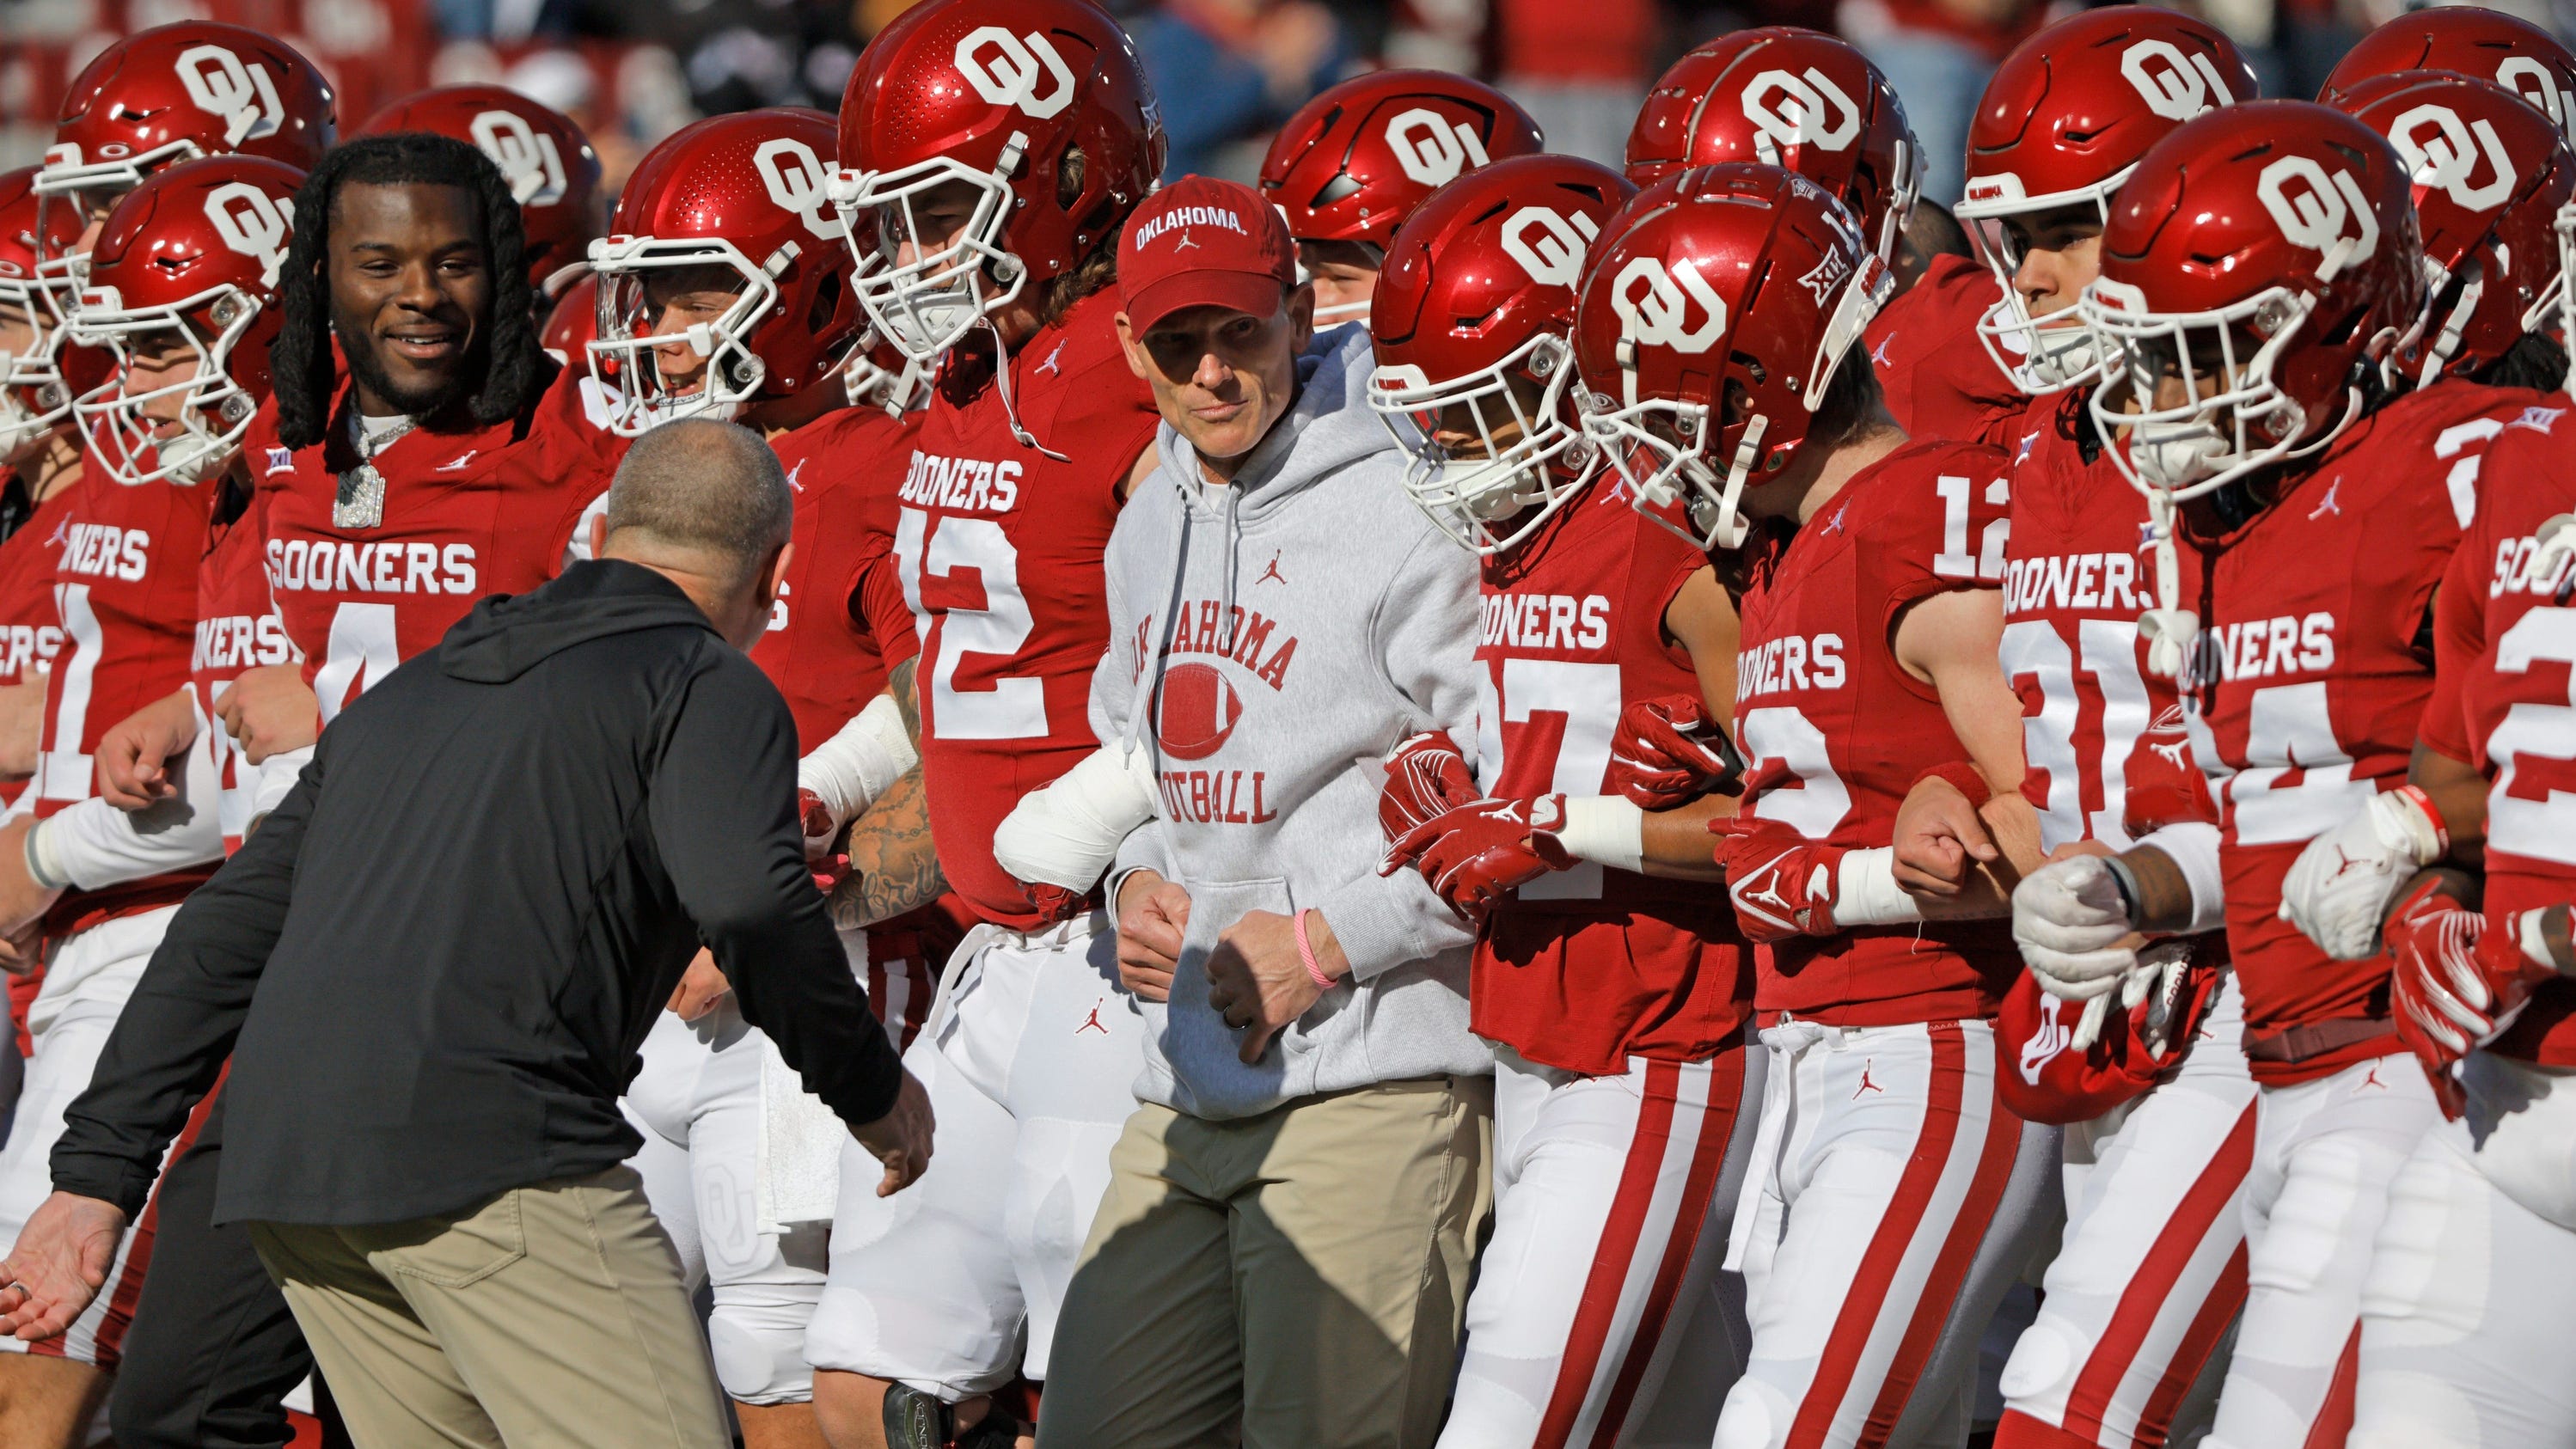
[459, 927]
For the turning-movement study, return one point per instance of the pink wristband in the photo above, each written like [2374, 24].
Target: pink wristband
[1306, 954]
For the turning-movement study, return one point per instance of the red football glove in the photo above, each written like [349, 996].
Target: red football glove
[1055, 904]
[814, 818]
[1478, 852]
[1668, 752]
[1782, 883]
[2165, 785]
[1425, 777]
[2456, 984]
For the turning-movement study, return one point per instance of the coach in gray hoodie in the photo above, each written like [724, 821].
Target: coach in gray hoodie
[1291, 1216]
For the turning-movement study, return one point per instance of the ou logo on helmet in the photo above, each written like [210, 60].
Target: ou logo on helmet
[1011, 77]
[2313, 210]
[2174, 86]
[2446, 159]
[1805, 116]
[1433, 149]
[1549, 247]
[2531, 80]
[525, 155]
[796, 183]
[1653, 313]
[242, 94]
[252, 223]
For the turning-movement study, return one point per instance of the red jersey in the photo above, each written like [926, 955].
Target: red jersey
[997, 546]
[124, 576]
[1835, 732]
[2506, 701]
[1585, 968]
[468, 512]
[823, 657]
[238, 628]
[2077, 574]
[2309, 678]
[30, 634]
[1939, 380]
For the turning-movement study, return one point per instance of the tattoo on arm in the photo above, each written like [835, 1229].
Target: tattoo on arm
[906, 698]
[893, 866]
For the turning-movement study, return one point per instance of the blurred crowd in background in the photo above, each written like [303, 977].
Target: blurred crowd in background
[1228, 71]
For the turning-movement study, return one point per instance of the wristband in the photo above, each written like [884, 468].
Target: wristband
[2127, 880]
[42, 868]
[1963, 777]
[1866, 892]
[1607, 829]
[1306, 953]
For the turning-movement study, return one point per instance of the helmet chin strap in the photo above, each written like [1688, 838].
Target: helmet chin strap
[2168, 628]
[1010, 406]
[1731, 526]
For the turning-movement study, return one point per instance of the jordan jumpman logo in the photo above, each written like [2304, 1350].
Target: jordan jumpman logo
[1092, 1022]
[1272, 574]
[1866, 1085]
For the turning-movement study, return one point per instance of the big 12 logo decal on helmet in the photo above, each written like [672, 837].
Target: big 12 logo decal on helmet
[525, 155]
[2174, 86]
[1553, 256]
[1431, 149]
[2446, 159]
[252, 223]
[1805, 115]
[1011, 77]
[2312, 209]
[796, 183]
[242, 94]
[1654, 314]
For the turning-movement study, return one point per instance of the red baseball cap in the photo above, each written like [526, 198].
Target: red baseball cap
[1201, 242]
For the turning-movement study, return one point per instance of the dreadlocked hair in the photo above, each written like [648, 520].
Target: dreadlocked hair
[516, 368]
[2535, 360]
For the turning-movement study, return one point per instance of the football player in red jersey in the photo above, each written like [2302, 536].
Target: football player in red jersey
[2479, 1249]
[1718, 342]
[180, 283]
[2291, 593]
[728, 296]
[40, 460]
[1616, 1003]
[548, 162]
[1354, 162]
[990, 150]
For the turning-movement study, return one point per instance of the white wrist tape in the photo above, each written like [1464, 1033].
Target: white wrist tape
[851, 769]
[1866, 892]
[2192, 845]
[1067, 833]
[1610, 829]
[43, 866]
[2527, 934]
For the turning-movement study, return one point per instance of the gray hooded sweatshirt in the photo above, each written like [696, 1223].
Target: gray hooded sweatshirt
[1298, 625]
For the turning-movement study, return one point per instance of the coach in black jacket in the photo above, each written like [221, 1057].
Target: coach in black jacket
[432, 967]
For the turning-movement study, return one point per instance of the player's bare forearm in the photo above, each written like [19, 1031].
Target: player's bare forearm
[1678, 843]
[893, 866]
[2460, 793]
[899, 684]
[2163, 905]
[22, 719]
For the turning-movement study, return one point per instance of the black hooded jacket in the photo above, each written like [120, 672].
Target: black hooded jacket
[442, 952]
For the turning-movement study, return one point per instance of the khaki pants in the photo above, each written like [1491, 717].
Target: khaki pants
[549, 1316]
[1288, 1281]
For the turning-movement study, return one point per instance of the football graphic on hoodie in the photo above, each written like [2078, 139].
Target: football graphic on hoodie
[1199, 709]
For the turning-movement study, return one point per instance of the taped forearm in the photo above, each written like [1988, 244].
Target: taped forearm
[1068, 832]
[1607, 829]
[2188, 854]
[93, 845]
[851, 769]
[1866, 892]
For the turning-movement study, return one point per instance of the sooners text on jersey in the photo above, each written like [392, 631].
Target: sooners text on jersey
[238, 628]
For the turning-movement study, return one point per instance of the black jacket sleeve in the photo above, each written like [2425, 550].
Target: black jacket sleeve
[724, 819]
[171, 1040]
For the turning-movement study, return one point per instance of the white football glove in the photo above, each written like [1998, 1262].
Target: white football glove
[2342, 885]
[2074, 931]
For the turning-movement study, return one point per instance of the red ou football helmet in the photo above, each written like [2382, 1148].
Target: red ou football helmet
[1356, 160]
[730, 204]
[181, 283]
[2473, 41]
[33, 395]
[545, 157]
[1001, 96]
[1706, 336]
[2266, 256]
[2490, 174]
[1474, 323]
[2062, 123]
[180, 92]
[1792, 98]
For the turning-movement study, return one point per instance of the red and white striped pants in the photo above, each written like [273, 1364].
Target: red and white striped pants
[1603, 1188]
[1882, 1161]
[2152, 1270]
